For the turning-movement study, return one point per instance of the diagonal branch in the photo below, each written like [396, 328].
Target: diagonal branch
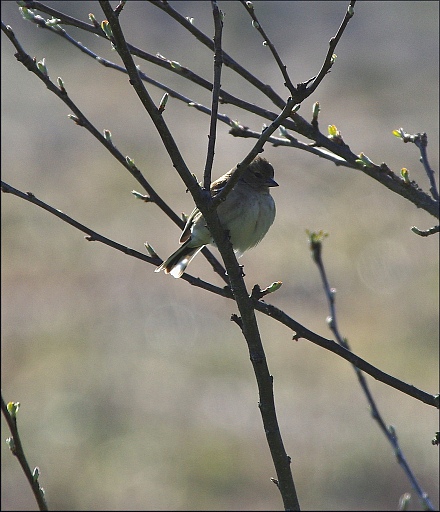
[249, 6]
[261, 306]
[82, 120]
[244, 302]
[227, 60]
[315, 242]
[258, 148]
[381, 173]
[329, 59]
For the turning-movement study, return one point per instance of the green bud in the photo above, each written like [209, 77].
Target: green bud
[283, 132]
[405, 175]
[138, 195]
[11, 444]
[332, 130]
[108, 136]
[255, 24]
[106, 28]
[129, 161]
[175, 65]
[74, 118]
[365, 160]
[41, 65]
[316, 237]
[36, 473]
[150, 250]
[316, 109]
[53, 22]
[163, 102]
[350, 10]
[13, 408]
[404, 501]
[274, 287]
[60, 83]
[27, 13]
[295, 108]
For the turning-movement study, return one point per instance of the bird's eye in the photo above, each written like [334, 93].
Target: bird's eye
[258, 175]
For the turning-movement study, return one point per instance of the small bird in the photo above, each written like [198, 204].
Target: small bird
[247, 213]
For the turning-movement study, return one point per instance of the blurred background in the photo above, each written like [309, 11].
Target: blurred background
[136, 389]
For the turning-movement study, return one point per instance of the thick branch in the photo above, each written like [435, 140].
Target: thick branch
[382, 173]
[263, 307]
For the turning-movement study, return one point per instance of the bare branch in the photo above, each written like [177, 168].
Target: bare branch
[82, 120]
[249, 6]
[315, 242]
[227, 60]
[329, 59]
[258, 147]
[382, 173]
[261, 306]
[17, 450]
[218, 26]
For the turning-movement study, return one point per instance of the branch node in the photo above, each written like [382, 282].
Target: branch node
[275, 481]
[236, 319]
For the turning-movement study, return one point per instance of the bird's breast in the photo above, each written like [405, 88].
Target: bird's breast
[247, 218]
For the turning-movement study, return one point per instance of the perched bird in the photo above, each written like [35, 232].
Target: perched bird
[247, 213]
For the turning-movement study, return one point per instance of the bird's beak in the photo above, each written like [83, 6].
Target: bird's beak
[270, 182]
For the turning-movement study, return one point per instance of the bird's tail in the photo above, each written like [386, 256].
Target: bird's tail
[176, 264]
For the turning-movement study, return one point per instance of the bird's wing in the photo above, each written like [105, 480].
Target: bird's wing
[186, 233]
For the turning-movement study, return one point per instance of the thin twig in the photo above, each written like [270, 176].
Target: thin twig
[426, 232]
[258, 148]
[82, 120]
[218, 26]
[244, 302]
[329, 59]
[263, 307]
[272, 310]
[421, 142]
[382, 173]
[227, 59]
[17, 450]
[389, 432]
[250, 8]
[292, 142]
